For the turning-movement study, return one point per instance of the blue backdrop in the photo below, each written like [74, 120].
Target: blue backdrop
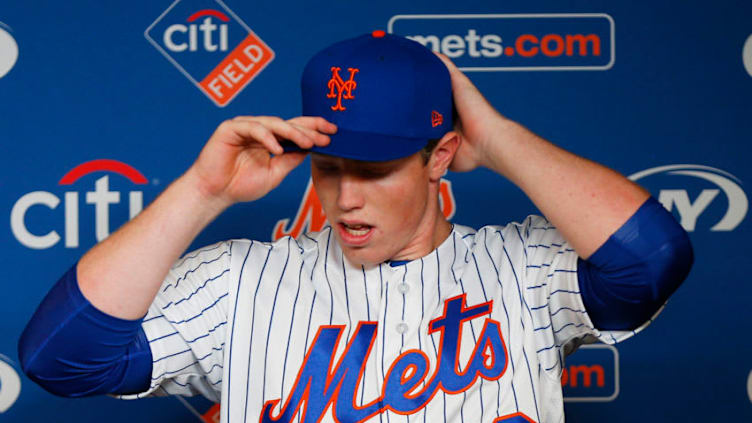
[102, 104]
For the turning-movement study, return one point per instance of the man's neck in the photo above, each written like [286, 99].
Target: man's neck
[428, 237]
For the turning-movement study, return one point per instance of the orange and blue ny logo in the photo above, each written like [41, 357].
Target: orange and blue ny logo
[340, 88]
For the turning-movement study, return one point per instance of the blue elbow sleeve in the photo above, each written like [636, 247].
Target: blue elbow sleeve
[72, 349]
[633, 273]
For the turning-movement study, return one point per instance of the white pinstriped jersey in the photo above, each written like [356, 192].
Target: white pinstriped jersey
[290, 331]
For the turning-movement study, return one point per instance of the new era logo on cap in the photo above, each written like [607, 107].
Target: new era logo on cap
[436, 118]
[211, 46]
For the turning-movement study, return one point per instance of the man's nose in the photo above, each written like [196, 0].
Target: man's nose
[350, 193]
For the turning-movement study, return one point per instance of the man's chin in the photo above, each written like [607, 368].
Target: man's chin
[363, 256]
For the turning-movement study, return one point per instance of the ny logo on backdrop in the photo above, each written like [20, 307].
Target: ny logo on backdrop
[211, 46]
[706, 184]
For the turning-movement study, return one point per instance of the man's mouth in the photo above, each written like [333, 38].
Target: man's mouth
[354, 233]
[356, 230]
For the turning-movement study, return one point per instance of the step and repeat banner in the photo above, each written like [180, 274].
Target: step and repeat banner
[103, 104]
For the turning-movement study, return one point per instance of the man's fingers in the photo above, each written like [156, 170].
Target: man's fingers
[283, 130]
[242, 132]
[315, 127]
[318, 138]
[455, 72]
[444, 59]
[447, 62]
[283, 164]
[315, 123]
[304, 131]
[245, 131]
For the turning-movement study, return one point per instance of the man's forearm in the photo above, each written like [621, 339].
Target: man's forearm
[86, 336]
[121, 275]
[586, 201]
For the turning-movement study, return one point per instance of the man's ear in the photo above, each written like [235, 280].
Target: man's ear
[443, 154]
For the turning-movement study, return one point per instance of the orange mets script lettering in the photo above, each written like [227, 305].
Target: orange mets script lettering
[310, 217]
[336, 83]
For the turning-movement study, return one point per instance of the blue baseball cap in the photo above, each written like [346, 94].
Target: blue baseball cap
[388, 96]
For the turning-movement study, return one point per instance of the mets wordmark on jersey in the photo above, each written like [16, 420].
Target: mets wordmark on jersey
[290, 331]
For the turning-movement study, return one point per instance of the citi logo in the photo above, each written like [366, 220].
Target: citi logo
[10, 384]
[676, 196]
[101, 198]
[8, 50]
[190, 33]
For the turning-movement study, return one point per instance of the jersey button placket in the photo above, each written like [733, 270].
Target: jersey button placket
[390, 318]
[401, 311]
[403, 288]
[382, 334]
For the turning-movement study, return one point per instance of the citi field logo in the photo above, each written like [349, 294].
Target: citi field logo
[591, 374]
[311, 217]
[10, 384]
[8, 50]
[677, 181]
[515, 42]
[211, 46]
[36, 233]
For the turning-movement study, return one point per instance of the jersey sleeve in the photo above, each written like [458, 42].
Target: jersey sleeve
[186, 326]
[553, 294]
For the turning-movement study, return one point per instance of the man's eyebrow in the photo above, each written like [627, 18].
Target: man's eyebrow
[375, 164]
[322, 159]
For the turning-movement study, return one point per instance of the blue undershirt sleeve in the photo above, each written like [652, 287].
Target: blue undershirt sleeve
[72, 349]
[627, 280]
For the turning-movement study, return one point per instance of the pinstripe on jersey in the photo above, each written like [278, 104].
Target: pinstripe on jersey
[236, 322]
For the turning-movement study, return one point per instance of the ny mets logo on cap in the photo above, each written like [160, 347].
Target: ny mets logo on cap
[211, 46]
[336, 83]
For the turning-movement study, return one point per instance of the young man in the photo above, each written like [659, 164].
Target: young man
[390, 309]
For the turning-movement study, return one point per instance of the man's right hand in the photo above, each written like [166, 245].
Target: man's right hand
[243, 159]
[121, 275]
